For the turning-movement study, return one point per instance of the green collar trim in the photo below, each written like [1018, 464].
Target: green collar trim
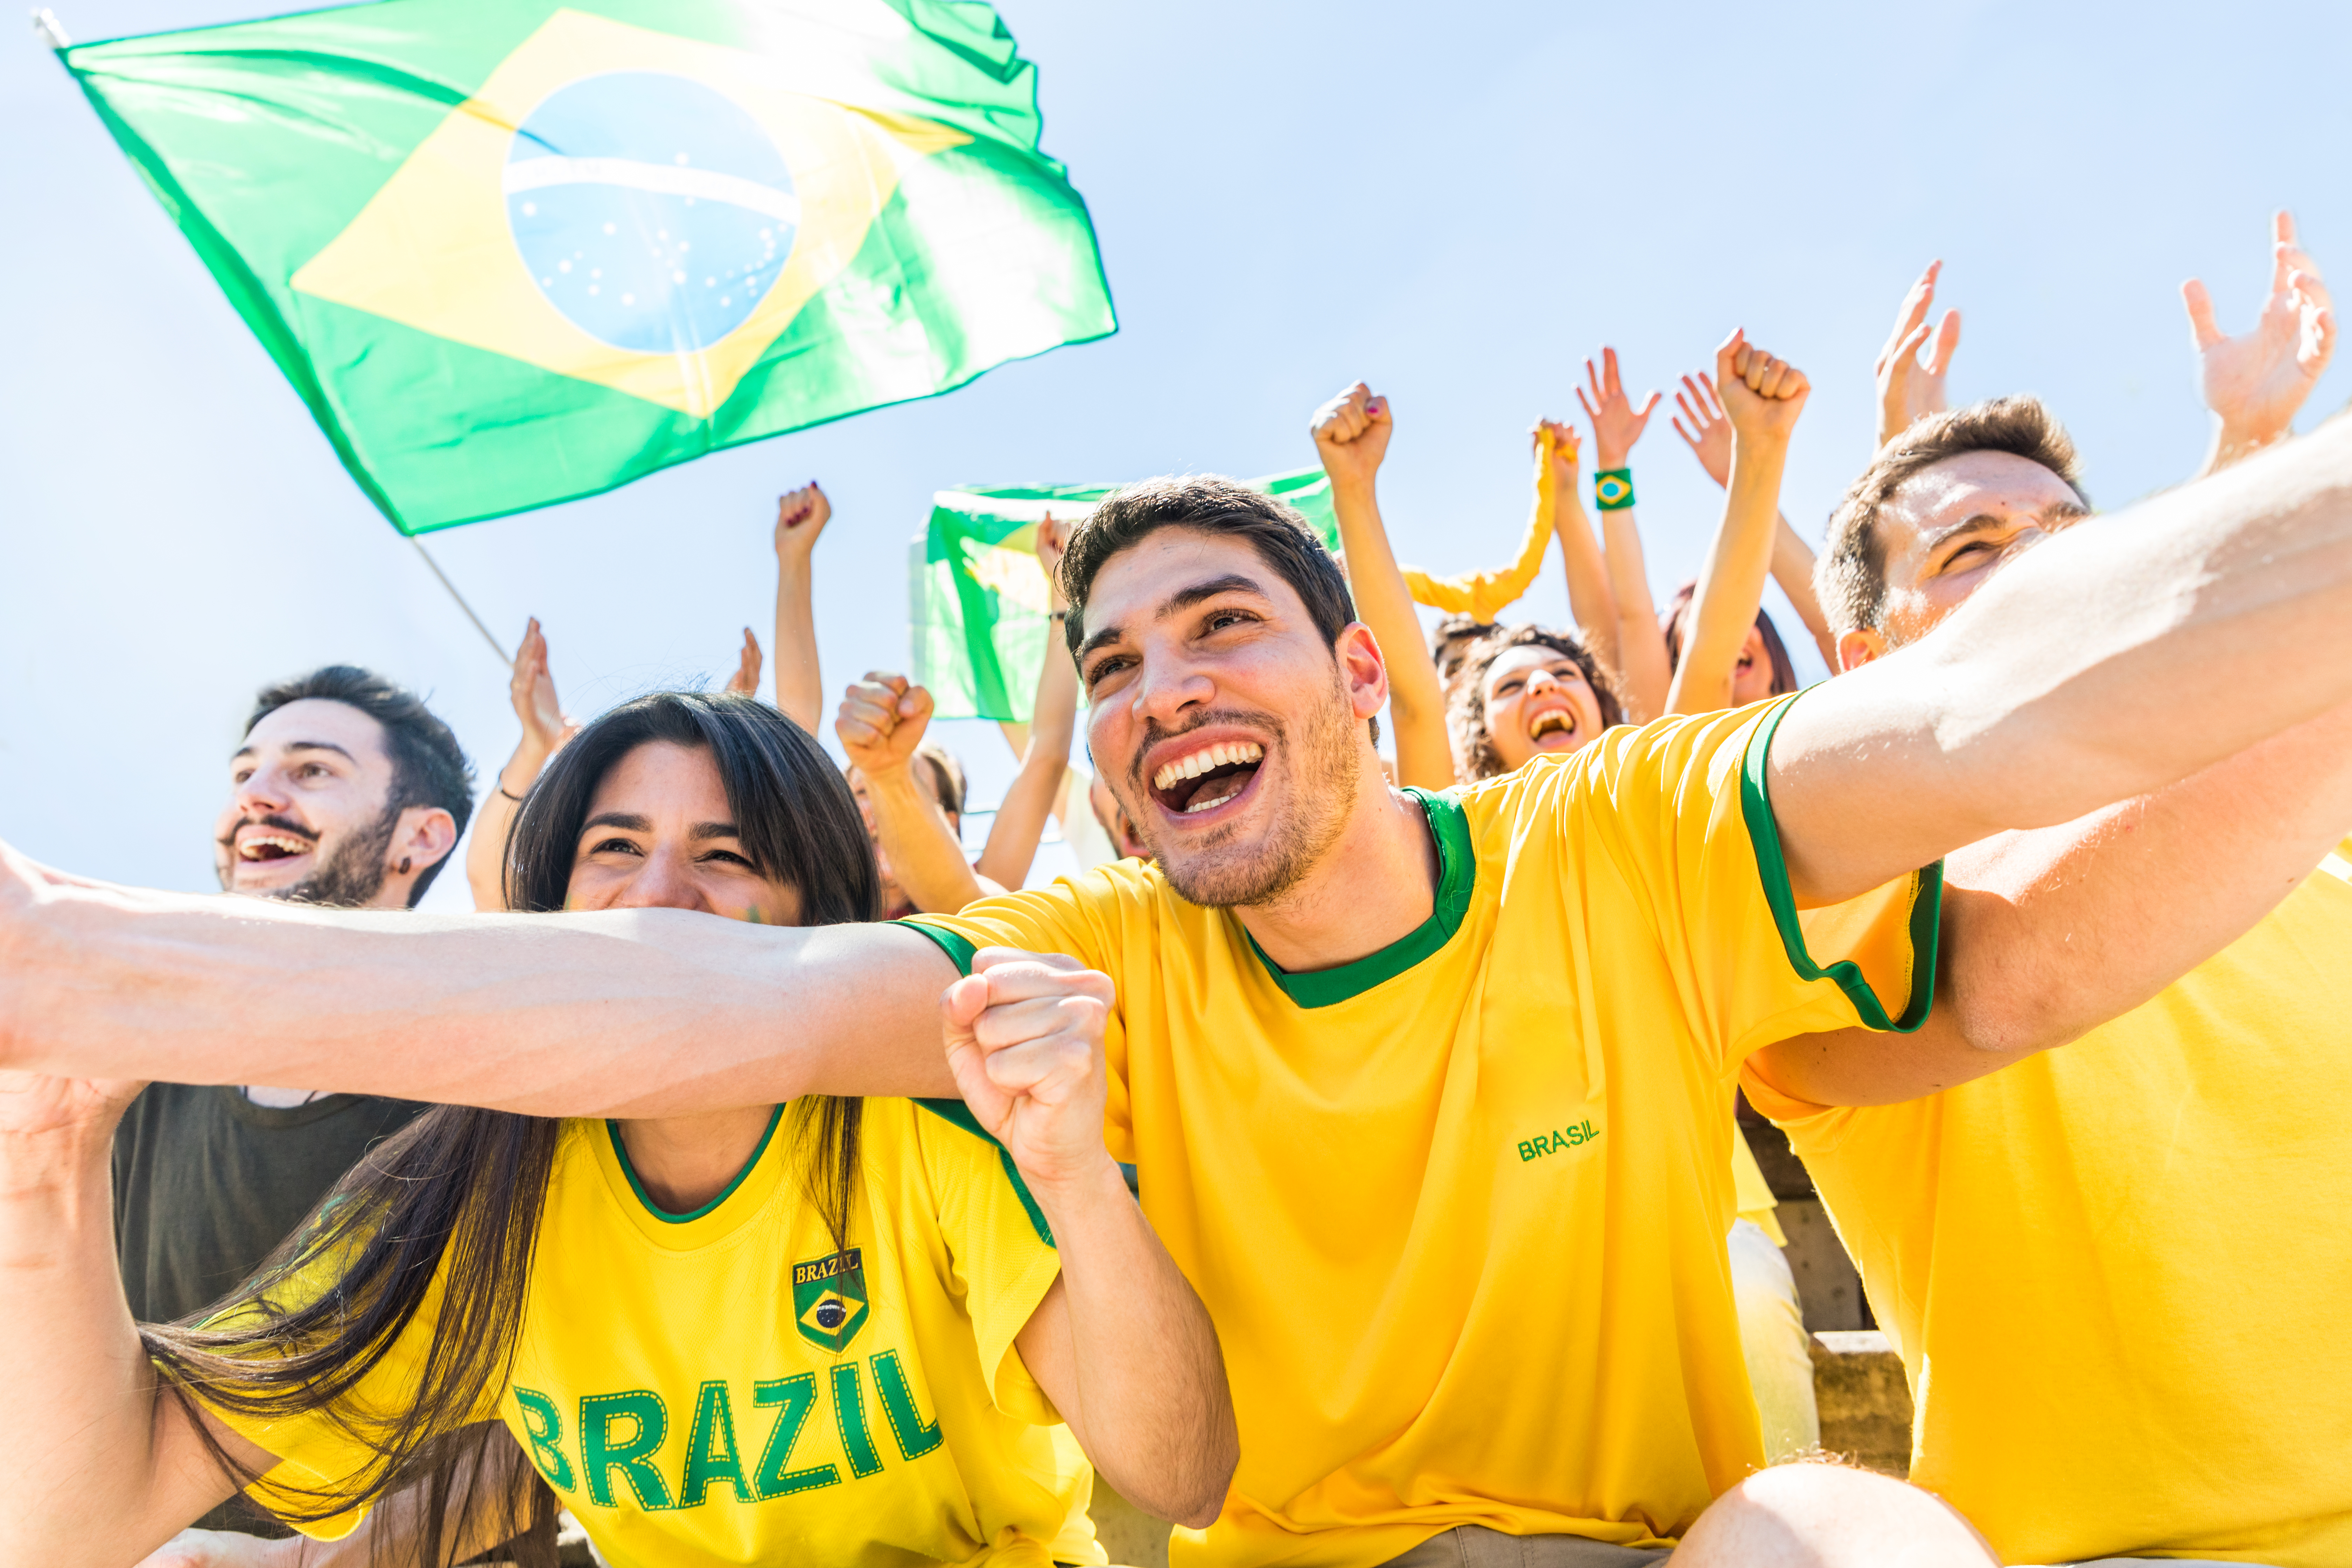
[1772, 865]
[621, 1153]
[1457, 874]
[954, 943]
[957, 1111]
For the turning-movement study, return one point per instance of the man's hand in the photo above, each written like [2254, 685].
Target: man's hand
[745, 681]
[1616, 423]
[881, 721]
[531, 688]
[801, 516]
[1053, 539]
[1908, 391]
[1352, 435]
[2255, 383]
[1556, 449]
[1024, 1040]
[1761, 395]
[1707, 433]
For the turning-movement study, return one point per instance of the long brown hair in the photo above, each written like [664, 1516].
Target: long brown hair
[449, 1206]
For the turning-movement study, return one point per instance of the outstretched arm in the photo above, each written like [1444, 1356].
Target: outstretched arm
[801, 516]
[544, 730]
[881, 724]
[2256, 384]
[1763, 396]
[2060, 687]
[1909, 391]
[1643, 670]
[1352, 435]
[1120, 1344]
[617, 1013]
[1705, 430]
[98, 1465]
[2049, 933]
[1020, 817]
[1591, 603]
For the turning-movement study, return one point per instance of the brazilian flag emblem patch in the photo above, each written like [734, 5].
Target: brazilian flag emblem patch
[829, 1298]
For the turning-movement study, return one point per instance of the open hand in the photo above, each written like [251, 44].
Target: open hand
[1761, 395]
[745, 681]
[1616, 423]
[1909, 391]
[881, 721]
[1556, 449]
[801, 516]
[1707, 433]
[1352, 435]
[531, 688]
[2257, 381]
[1024, 1040]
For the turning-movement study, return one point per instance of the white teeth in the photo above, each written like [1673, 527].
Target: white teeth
[1207, 758]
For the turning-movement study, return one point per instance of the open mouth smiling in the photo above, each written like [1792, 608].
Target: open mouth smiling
[265, 846]
[1206, 777]
[1550, 722]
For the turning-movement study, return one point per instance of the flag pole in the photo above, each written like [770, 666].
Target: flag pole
[504, 656]
[51, 31]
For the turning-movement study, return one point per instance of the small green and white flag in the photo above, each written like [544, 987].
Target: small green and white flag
[512, 252]
[976, 594]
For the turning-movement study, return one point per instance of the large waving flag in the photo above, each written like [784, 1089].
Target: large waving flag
[512, 252]
[976, 594]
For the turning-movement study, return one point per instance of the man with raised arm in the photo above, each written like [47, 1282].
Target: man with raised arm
[1427, 1090]
[2123, 1262]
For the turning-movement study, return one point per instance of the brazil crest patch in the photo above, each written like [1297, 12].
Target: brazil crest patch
[829, 1298]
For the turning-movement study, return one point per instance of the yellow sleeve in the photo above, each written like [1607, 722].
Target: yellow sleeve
[999, 1245]
[1102, 920]
[1681, 809]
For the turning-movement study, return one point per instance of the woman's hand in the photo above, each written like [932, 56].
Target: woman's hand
[1616, 423]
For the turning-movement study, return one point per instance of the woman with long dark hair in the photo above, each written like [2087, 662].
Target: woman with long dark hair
[832, 1330]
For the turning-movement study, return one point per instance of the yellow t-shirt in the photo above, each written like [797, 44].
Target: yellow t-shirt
[1458, 1208]
[2118, 1271]
[726, 1387]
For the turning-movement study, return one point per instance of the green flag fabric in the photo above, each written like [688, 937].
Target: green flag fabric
[976, 594]
[512, 252]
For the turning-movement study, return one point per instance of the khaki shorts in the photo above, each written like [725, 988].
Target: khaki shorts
[1475, 1546]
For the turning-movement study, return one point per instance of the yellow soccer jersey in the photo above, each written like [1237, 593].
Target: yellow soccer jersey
[726, 1387]
[1458, 1208]
[2117, 1271]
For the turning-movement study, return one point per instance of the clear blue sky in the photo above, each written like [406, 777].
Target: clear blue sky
[1287, 197]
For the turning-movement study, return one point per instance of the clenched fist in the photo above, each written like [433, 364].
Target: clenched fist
[1352, 435]
[881, 721]
[1761, 395]
[1024, 1040]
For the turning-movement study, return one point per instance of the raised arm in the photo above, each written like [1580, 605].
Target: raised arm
[1762, 397]
[1701, 423]
[801, 516]
[1909, 391]
[2049, 933]
[2124, 655]
[745, 681]
[545, 729]
[618, 1012]
[1121, 1344]
[1352, 435]
[2256, 382]
[1591, 603]
[1641, 668]
[1021, 816]
[880, 725]
[98, 1467]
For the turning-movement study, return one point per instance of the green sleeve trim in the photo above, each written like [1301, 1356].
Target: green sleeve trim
[957, 948]
[957, 1111]
[1457, 876]
[621, 1153]
[1772, 866]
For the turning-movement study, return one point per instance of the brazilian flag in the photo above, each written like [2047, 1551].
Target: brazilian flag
[513, 252]
[976, 598]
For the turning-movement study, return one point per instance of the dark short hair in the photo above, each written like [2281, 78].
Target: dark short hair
[797, 821]
[1851, 579]
[1207, 504]
[428, 767]
[1474, 756]
[1677, 610]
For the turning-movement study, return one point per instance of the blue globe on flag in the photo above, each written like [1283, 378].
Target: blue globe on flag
[652, 211]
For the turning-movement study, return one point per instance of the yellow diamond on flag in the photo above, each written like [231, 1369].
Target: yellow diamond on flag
[632, 208]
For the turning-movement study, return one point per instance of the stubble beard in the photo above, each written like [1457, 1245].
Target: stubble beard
[352, 876]
[1220, 873]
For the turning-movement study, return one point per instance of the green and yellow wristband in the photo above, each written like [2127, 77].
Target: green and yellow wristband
[1612, 488]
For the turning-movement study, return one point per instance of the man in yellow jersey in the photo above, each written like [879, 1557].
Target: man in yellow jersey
[1427, 1090]
[2115, 1271]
